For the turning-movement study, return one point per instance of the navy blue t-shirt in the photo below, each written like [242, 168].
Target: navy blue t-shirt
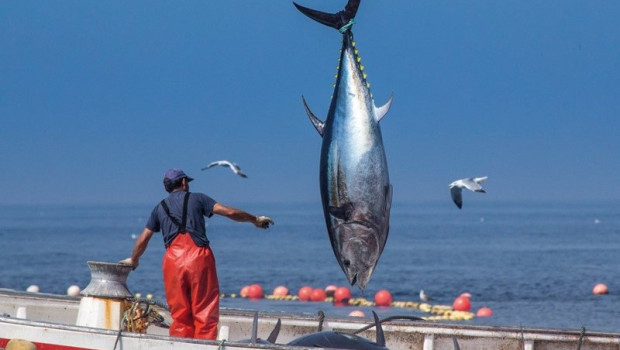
[198, 206]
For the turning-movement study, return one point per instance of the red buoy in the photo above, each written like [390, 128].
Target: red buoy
[244, 291]
[255, 291]
[461, 304]
[304, 293]
[329, 290]
[317, 295]
[342, 296]
[280, 291]
[484, 312]
[357, 313]
[383, 298]
[600, 289]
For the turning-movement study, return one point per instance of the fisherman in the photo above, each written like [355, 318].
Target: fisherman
[190, 278]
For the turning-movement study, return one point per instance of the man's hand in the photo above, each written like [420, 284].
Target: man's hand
[263, 222]
[130, 262]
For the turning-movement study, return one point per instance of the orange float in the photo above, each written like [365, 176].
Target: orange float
[600, 289]
[357, 313]
[330, 290]
[255, 291]
[244, 291]
[280, 291]
[304, 293]
[461, 304]
[383, 298]
[342, 296]
[317, 295]
[484, 312]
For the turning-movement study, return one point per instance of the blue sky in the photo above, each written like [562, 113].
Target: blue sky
[99, 98]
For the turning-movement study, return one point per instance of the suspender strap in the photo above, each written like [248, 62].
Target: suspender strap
[183, 222]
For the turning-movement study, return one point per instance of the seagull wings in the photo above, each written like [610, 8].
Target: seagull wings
[470, 183]
[234, 167]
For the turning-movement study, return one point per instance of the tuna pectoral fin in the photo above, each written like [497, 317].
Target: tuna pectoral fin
[342, 212]
[334, 20]
[380, 112]
[318, 124]
[388, 200]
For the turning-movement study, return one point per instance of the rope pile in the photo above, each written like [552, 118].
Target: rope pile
[138, 315]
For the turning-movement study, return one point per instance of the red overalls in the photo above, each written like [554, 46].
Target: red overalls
[192, 288]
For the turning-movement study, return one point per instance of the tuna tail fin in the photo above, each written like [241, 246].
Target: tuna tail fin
[318, 124]
[334, 20]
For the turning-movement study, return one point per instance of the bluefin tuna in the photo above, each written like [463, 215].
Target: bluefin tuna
[342, 340]
[355, 188]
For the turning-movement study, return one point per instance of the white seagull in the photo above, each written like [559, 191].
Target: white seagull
[423, 296]
[470, 183]
[234, 167]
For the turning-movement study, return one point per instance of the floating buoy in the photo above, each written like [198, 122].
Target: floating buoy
[244, 291]
[461, 304]
[383, 298]
[357, 313]
[33, 289]
[484, 312]
[342, 295]
[73, 291]
[304, 293]
[255, 291]
[20, 344]
[600, 289]
[280, 291]
[330, 290]
[317, 295]
[466, 295]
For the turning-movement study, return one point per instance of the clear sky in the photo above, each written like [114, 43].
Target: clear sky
[99, 98]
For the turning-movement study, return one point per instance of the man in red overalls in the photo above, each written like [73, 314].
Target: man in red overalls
[190, 277]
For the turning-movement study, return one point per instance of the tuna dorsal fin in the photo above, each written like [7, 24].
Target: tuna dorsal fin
[334, 20]
[318, 124]
[380, 337]
[380, 112]
[273, 336]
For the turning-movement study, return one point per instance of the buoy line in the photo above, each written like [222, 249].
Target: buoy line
[440, 312]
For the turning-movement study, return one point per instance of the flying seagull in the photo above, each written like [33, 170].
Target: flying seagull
[234, 167]
[470, 183]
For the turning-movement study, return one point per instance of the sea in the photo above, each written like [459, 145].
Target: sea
[533, 264]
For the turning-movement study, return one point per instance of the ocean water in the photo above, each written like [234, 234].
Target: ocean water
[534, 265]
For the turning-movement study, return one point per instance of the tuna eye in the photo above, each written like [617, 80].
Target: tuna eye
[347, 263]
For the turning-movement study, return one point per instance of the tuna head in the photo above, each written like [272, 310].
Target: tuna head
[358, 239]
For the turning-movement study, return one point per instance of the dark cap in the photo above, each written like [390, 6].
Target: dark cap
[176, 174]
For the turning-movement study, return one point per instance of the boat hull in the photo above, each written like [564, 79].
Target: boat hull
[49, 323]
